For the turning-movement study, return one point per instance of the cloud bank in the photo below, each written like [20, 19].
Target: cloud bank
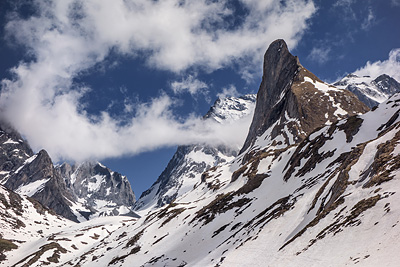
[66, 38]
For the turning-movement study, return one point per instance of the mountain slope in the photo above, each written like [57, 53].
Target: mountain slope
[24, 219]
[189, 162]
[368, 90]
[38, 179]
[329, 200]
[341, 211]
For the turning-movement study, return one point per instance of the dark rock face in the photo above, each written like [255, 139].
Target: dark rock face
[53, 193]
[280, 67]
[293, 98]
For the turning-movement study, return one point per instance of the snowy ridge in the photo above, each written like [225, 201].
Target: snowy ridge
[371, 91]
[13, 151]
[89, 190]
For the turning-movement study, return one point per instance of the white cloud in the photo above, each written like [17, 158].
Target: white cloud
[66, 38]
[391, 66]
[320, 54]
[190, 85]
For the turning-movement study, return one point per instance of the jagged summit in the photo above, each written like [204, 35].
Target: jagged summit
[294, 100]
[99, 191]
[369, 90]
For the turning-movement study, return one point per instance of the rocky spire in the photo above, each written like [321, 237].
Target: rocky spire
[292, 102]
[280, 67]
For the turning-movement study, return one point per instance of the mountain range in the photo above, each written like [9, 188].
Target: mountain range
[315, 183]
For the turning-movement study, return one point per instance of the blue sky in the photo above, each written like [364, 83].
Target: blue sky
[125, 82]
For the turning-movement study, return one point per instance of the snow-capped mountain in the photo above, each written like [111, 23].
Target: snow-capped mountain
[371, 91]
[100, 191]
[74, 192]
[316, 184]
[189, 162]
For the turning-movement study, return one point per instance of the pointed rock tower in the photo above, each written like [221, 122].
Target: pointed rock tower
[292, 102]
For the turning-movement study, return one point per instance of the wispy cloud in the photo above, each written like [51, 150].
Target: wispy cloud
[346, 6]
[66, 38]
[391, 66]
[320, 54]
[369, 20]
[395, 2]
[189, 84]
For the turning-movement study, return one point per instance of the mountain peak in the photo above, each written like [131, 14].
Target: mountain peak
[279, 69]
[294, 100]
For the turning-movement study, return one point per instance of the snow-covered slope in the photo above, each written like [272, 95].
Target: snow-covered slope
[55, 243]
[369, 90]
[189, 162]
[330, 200]
[24, 219]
